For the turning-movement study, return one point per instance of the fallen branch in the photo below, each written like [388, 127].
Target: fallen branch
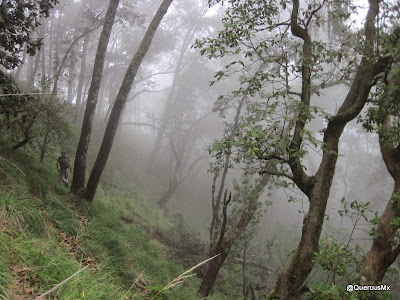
[60, 284]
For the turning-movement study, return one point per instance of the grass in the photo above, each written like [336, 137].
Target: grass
[118, 239]
[121, 236]
[21, 214]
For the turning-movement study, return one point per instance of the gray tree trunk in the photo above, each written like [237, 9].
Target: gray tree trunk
[81, 79]
[227, 239]
[119, 103]
[71, 80]
[78, 181]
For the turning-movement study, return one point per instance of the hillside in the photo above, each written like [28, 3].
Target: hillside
[128, 248]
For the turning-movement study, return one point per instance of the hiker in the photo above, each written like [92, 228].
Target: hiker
[63, 164]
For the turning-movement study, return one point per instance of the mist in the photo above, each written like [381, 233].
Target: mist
[177, 129]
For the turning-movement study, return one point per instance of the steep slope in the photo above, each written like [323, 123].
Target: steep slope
[129, 249]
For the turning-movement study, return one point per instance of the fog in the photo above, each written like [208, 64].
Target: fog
[173, 117]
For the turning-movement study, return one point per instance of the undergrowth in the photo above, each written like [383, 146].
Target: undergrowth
[47, 234]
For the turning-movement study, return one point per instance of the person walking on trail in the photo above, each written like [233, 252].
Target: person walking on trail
[63, 165]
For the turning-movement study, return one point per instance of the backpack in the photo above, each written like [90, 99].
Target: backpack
[64, 162]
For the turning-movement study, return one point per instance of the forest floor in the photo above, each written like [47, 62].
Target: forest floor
[123, 244]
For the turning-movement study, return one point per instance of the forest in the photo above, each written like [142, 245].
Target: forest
[237, 149]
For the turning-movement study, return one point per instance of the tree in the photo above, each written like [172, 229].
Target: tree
[384, 118]
[17, 21]
[184, 64]
[120, 100]
[227, 237]
[78, 181]
[182, 151]
[82, 74]
[253, 30]
[31, 117]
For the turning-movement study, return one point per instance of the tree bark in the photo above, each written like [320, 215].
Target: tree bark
[35, 67]
[78, 181]
[216, 201]
[226, 242]
[51, 50]
[385, 249]
[81, 79]
[31, 67]
[43, 148]
[43, 56]
[71, 80]
[173, 186]
[21, 65]
[22, 143]
[119, 103]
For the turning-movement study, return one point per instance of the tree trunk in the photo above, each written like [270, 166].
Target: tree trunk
[35, 67]
[78, 181]
[43, 57]
[385, 248]
[61, 64]
[173, 186]
[31, 67]
[211, 274]
[216, 201]
[21, 65]
[226, 242]
[26, 140]
[119, 104]
[51, 46]
[167, 111]
[71, 80]
[44, 145]
[289, 283]
[81, 79]
[56, 54]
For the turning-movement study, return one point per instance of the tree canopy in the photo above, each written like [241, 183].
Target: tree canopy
[18, 19]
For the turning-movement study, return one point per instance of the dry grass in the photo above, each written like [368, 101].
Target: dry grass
[183, 276]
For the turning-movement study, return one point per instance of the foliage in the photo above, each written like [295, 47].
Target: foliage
[17, 21]
[32, 118]
[383, 103]
[282, 63]
[261, 51]
[244, 191]
[326, 291]
[334, 258]
[9, 106]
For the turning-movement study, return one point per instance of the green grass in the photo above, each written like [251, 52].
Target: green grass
[21, 214]
[119, 236]
[35, 208]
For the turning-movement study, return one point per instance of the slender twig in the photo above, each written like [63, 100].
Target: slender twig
[184, 275]
[25, 94]
[136, 280]
[6, 160]
[60, 284]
